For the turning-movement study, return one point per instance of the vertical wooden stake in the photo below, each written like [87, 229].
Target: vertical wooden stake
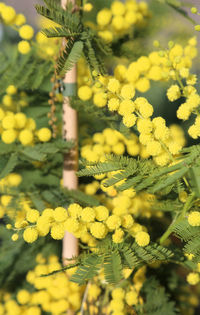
[70, 132]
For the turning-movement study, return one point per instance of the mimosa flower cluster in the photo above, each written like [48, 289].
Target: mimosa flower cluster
[54, 294]
[17, 21]
[21, 128]
[89, 223]
[117, 20]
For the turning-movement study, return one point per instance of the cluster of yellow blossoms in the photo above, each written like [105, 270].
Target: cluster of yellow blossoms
[13, 99]
[6, 184]
[111, 141]
[17, 21]
[18, 127]
[54, 294]
[117, 20]
[88, 224]
[124, 298]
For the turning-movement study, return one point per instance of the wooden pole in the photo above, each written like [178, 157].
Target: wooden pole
[70, 132]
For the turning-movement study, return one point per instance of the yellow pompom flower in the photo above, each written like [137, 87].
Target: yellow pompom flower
[23, 296]
[113, 222]
[85, 93]
[98, 229]
[9, 136]
[154, 148]
[113, 85]
[117, 8]
[127, 221]
[116, 305]
[117, 237]
[71, 225]
[60, 214]
[20, 120]
[118, 293]
[11, 89]
[8, 122]
[20, 19]
[32, 215]
[75, 210]
[30, 235]
[100, 99]
[26, 137]
[87, 7]
[194, 218]
[144, 125]
[143, 85]
[26, 32]
[173, 93]
[103, 17]
[43, 226]
[129, 120]
[8, 14]
[127, 91]
[142, 238]
[24, 47]
[15, 237]
[131, 298]
[183, 112]
[7, 100]
[194, 131]
[57, 231]
[88, 215]
[126, 107]
[44, 134]
[101, 213]
[193, 278]
[113, 104]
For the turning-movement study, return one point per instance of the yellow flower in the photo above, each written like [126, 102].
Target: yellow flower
[103, 17]
[113, 222]
[142, 238]
[173, 93]
[113, 85]
[23, 296]
[60, 214]
[26, 137]
[24, 47]
[8, 14]
[131, 298]
[57, 231]
[128, 91]
[101, 213]
[193, 278]
[32, 215]
[98, 230]
[44, 134]
[85, 93]
[30, 235]
[9, 136]
[129, 120]
[26, 32]
[11, 89]
[118, 293]
[194, 218]
[88, 214]
[117, 237]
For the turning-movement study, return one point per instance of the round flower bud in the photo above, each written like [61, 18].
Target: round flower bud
[142, 238]
[24, 47]
[32, 215]
[30, 235]
[194, 218]
[26, 137]
[26, 32]
[85, 93]
[44, 134]
[193, 278]
[9, 136]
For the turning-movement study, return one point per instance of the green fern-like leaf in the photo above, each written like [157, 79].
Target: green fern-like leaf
[88, 269]
[113, 267]
[71, 55]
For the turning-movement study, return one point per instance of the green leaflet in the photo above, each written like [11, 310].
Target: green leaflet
[71, 55]
[10, 165]
[113, 267]
[87, 269]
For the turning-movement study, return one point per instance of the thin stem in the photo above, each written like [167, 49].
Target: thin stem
[177, 219]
